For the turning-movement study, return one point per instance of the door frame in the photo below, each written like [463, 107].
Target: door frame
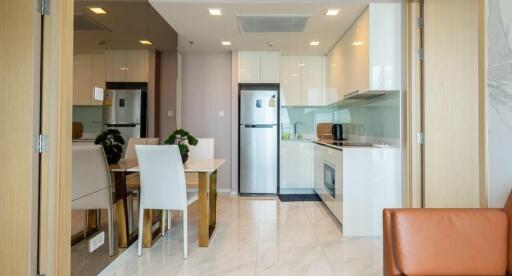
[414, 178]
[56, 116]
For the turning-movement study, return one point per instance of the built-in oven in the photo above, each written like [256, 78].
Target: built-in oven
[330, 178]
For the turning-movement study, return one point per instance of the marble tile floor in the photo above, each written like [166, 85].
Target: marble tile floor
[257, 236]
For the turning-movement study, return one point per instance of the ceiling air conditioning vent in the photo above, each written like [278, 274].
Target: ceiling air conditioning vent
[85, 23]
[272, 24]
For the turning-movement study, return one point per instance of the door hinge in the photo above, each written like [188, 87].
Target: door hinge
[420, 22]
[43, 7]
[420, 138]
[421, 53]
[42, 143]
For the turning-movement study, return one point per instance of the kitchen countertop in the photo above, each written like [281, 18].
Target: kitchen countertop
[348, 144]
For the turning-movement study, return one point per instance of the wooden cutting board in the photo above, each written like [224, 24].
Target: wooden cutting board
[324, 131]
[78, 130]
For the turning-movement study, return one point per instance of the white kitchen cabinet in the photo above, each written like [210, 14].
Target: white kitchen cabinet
[270, 64]
[98, 77]
[258, 66]
[333, 158]
[115, 65]
[290, 81]
[297, 165]
[302, 81]
[127, 65]
[312, 82]
[88, 72]
[82, 73]
[368, 56]
[137, 64]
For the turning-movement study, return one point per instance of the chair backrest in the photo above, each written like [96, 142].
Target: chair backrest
[203, 150]
[162, 177]
[508, 210]
[130, 148]
[90, 175]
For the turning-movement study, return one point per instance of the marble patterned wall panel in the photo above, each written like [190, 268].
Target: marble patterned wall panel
[499, 53]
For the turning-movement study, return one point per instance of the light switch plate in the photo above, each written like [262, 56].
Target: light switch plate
[96, 241]
[98, 94]
[170, 113]
[221, 113]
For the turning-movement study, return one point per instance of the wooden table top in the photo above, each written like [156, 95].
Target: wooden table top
[192, 166]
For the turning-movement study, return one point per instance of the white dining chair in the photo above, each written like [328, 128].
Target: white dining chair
[205, 149]
[133, 179]
[91, 188]
[163, 185]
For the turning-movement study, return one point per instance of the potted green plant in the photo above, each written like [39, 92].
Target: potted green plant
[112, 143]
[179, 137]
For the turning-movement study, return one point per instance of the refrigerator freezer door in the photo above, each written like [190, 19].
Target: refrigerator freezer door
[258, 159]
[122, 106]
[258, 107]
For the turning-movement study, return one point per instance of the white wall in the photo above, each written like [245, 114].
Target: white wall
[206, 91]
[168, 78]
[499, 108]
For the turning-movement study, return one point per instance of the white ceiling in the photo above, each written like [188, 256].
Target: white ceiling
[192, 22]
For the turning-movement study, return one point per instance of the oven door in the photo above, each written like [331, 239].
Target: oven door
[330, 179]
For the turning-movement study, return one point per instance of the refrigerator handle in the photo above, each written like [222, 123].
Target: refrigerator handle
[259, 126]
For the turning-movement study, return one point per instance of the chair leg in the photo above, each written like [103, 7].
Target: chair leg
[162, 222]
[185, 236]
[141, 225]
[169, 219]
[129, 202]
[86, 224]
[110, 232]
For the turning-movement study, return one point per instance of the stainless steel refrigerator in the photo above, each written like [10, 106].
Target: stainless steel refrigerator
[258, 140]
[125, 110]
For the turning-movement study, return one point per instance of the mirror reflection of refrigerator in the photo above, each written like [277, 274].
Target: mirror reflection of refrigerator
[258, 140]
[125, 110]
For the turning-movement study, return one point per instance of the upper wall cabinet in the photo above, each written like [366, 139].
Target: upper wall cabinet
[88, 74]
[368, 55]
[302, 81]
[127, 65]
[258, 66]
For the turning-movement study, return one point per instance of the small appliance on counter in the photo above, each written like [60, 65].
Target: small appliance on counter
[337, 132]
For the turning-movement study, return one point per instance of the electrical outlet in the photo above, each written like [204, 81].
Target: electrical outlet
[170, 113]
[221, 113]
[96, 241]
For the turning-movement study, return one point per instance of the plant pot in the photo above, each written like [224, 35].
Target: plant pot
[184, 158]
[113, 158]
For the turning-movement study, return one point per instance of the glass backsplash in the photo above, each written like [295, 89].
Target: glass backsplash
[90, 117]
[376, 119]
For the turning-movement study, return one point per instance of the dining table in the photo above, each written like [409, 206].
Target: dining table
[206, 170]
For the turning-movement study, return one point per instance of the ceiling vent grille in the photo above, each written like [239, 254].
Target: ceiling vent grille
[272, 24]
[85, 23]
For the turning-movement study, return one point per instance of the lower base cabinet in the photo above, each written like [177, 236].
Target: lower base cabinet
[296, 165]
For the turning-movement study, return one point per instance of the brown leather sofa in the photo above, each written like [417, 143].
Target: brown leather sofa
[448, 241]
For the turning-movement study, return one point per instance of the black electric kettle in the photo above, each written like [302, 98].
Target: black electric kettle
[337, 132]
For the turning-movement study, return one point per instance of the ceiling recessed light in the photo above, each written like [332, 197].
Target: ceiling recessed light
[357, 43]
[226, 43]
[332, 12]
[215, 11]
[314, 43]
[145, 42]
[97, 10]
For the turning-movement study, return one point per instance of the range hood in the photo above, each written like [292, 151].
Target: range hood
[364, 95]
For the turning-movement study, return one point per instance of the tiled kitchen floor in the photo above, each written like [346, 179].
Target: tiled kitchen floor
[257, 236]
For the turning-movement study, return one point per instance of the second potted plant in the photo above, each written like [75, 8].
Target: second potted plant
[179, 137]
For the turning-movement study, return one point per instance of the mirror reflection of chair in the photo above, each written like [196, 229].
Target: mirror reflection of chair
[133, 180]
[163, 185]
[91, 186]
